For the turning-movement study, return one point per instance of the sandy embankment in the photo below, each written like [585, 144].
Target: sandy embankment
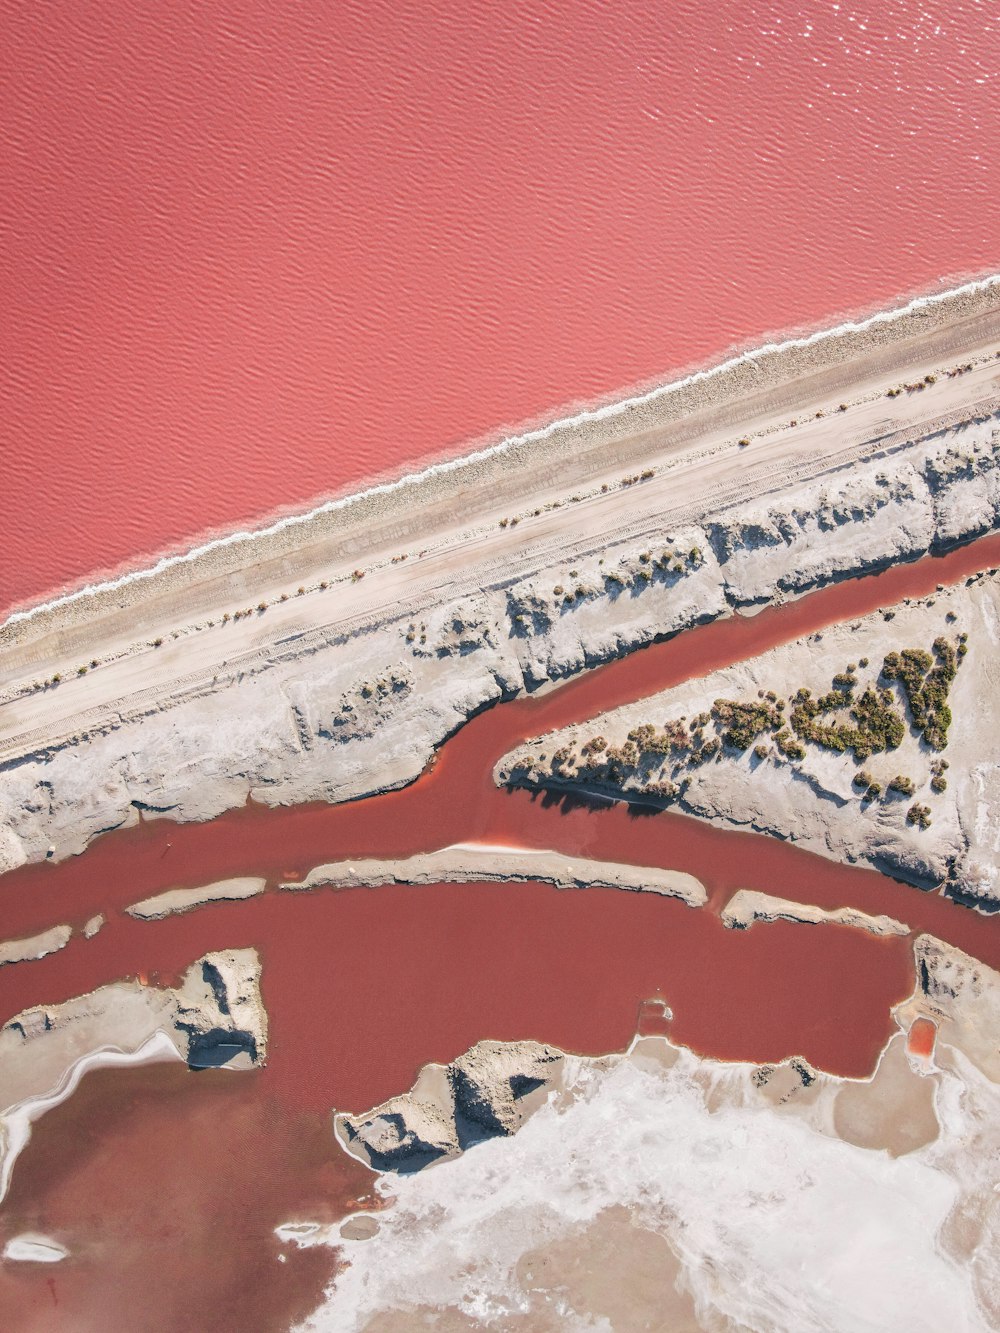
[174, 901]
[829, 800]
[36, 946]
[747, 906]
[348, 688]
[469, 864]
[462, 864]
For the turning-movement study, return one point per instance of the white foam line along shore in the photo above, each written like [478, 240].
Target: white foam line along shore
[615, 408]
[18, 1120]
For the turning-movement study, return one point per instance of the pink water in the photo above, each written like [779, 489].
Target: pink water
[257, 253]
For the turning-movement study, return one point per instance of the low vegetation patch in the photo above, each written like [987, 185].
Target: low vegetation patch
[847, 719]
[926, 681]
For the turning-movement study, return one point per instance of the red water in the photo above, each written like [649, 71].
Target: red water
[255, 253]
[170, 1207]
[420, 974]
[166, 1189]
[921, 1037]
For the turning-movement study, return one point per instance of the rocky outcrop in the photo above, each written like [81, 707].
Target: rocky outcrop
[747, 906]
[491, 1081]
[961, 996]
[488, 1092]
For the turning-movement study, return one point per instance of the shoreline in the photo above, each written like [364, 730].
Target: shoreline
[714, 384]
[850, 804]
[194, 701]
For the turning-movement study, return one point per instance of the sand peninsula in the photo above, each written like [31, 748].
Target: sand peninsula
[327, 659]
[871, 741]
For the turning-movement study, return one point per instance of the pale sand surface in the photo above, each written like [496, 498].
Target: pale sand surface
[93, 925]
[174, 901]
[467, 863]
[894, 1110]
[612, 1269]
[37, 946]
[449, 526]
[748, 905]
[655, 1189]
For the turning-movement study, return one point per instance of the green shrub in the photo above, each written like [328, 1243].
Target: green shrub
[926, 681]
[919, 814]
[744, 721]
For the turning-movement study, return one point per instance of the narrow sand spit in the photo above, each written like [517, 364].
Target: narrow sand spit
[468, 864]
[184, 900]
[747, 906]
[37, 946]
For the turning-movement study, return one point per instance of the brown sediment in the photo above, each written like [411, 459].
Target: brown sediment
[893, 1111]
[165, 1186]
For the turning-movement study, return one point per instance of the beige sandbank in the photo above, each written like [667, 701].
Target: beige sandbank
[174, 901]
[468, 863]
[747, 906]
[35, 946]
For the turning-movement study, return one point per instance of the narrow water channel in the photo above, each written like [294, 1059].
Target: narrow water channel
[363, 986]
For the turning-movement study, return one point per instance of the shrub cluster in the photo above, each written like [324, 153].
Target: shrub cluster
[671, 739]
[877, 725]
[744, 721]
[926, 681]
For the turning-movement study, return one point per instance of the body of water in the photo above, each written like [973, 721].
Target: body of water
[254, 257]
